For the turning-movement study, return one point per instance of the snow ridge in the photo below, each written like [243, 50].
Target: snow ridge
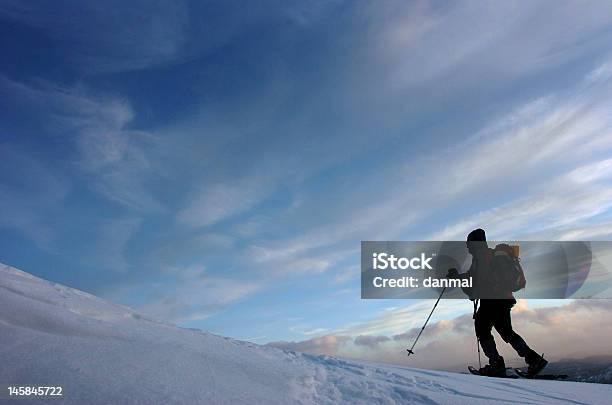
[101, 352]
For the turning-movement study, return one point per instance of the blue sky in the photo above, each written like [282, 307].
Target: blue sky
[216, 164]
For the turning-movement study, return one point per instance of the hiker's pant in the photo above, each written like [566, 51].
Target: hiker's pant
[496, 314]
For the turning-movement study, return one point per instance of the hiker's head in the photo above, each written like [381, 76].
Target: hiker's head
[476, 241]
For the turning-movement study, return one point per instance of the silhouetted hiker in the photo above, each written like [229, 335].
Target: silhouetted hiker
[485, 271]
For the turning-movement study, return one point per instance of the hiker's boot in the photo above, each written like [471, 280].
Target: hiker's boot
[536, 363]
[495, 368]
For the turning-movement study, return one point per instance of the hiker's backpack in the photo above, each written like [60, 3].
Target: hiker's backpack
[508, 265]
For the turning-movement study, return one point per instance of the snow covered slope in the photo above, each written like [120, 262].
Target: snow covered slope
[100, 352]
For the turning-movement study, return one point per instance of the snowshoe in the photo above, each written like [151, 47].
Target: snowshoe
[524, 374]
[476, 371]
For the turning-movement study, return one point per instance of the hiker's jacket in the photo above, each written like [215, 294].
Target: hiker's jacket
[486, 272]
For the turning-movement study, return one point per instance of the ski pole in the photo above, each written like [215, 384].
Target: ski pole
[476, 301]
[423, 328]
[478, 347]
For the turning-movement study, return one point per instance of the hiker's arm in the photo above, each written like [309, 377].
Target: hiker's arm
[453, 273]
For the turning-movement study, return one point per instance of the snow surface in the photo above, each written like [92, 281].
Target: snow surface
[100, 352]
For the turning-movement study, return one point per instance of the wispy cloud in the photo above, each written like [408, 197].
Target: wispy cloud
[199, 298]
[219, 201]
[548, 211]
[523, 44]
[112, 158]
[507, 176]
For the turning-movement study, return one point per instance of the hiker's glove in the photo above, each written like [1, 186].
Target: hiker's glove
[452, 273]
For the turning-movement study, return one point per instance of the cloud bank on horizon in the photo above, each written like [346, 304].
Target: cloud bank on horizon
[217, 164]
[450, 343]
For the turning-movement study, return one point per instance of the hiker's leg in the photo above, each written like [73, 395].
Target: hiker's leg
[483, 323]
[503, 325]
